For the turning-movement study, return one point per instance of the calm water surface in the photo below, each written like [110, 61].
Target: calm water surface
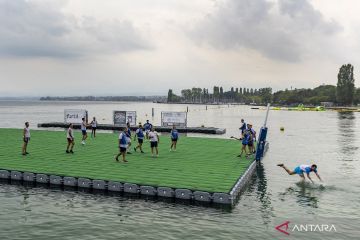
[329, 139]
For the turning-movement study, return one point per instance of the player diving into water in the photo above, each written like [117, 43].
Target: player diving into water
[301, 170]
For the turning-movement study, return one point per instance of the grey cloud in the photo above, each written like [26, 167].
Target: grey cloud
[306, 18]
[284, 30]
[41, 29]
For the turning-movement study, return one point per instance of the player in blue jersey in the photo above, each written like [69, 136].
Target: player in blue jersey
[252, 139]
[174, 135]
[243, 126]
[245, 139]
[147, 127]
[139, 134]
[300, 170]
[123, 144]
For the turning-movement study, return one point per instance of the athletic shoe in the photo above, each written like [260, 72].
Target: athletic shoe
[71, 151]
[135, 149]
[129, 153]
[117, 159]
[83, 143]
[125, 161]
[26, 153]
[142, 151]
[239, 155]
[67, 151]
[280, 165]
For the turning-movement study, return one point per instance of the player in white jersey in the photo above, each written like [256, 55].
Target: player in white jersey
[70, 139]
[93, 124]
[26, 138]
[154, 141]
[83, 130]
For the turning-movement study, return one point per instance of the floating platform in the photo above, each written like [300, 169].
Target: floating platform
[202, 169]
[206, 130]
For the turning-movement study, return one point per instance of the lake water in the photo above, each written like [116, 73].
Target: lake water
[329, 139]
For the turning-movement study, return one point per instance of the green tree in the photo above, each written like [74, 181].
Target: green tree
[357, 96]
[221, 94]
[186, 94]
[216, 94]
[345, 85]
[170, 95]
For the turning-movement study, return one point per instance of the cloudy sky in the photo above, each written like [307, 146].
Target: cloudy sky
[142, 47]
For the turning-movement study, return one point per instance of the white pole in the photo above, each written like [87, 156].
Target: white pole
[267, 114]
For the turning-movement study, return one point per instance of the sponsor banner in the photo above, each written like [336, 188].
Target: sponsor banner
[178, 119]
[75, 115]
[119, 117]
[122, 117]
[131, 118]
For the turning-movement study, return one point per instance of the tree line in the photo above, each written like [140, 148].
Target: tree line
[344, 93]
[107, 98]
[218, 95]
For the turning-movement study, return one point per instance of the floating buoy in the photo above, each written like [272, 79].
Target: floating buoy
[282, 128]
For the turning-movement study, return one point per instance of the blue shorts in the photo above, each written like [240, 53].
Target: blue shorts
[83, 132]
[298, 170]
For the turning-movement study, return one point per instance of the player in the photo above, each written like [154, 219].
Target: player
[122, 146]
[243, 126]
[154, 141]
[128, 137]
[70, 139]
[147, 126]
[174, 135]
[301, 170]
[83, 131]
[26, 138]
[252, 139]
[139, 134]
[93, 124]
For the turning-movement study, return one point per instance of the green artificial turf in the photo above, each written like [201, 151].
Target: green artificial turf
[204, 164]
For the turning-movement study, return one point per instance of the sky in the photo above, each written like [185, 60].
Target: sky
[142, 47]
